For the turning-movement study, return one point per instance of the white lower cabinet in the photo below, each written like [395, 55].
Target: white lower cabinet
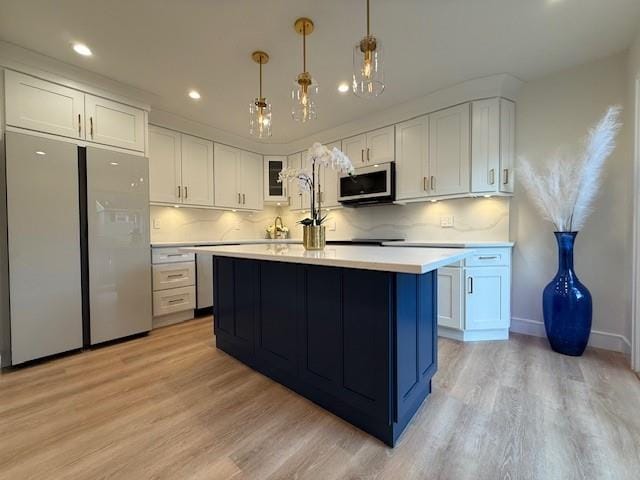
[474, 296]
[174, 286]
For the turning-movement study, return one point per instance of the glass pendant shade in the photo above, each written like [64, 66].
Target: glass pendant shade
[368, 75]
[303, 101]
[260, 118]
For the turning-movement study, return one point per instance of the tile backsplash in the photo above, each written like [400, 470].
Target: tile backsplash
[470, 219]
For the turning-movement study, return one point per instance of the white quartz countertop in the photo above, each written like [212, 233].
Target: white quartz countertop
[449, 244]
[225, 242]
[400, 260]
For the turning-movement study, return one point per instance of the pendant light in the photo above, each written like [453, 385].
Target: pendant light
[259, 109]
[303, 106]
[368, 78]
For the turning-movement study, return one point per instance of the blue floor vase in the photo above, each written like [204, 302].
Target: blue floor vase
[566, 303]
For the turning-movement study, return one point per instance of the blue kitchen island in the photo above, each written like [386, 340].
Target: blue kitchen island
[352, 328]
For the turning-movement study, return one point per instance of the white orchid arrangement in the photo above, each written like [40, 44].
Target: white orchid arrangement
[565, 188]
[309, 181]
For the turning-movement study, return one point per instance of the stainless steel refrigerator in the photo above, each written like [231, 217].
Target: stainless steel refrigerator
[78, 244]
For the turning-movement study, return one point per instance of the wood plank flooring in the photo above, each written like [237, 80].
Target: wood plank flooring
[170, 405]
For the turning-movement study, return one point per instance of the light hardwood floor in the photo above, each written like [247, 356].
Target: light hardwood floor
[171, 406]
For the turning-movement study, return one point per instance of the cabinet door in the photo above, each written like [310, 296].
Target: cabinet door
[295, 195]
[412, 169]
[485, 145]
[112, 123]
[43, 106]
[250, 180]
[225, 174]
[197, 171]
[380, 146]
[165, 174]
[507, 144]
[487, 303]
[329, 183]
[449, 151]
[354, 148]
[450, 298]
[273, 190]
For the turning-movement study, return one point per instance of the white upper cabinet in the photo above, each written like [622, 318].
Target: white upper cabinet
[507, 144]
[329, 183]
[237, 178]
[250, 180]
[225, 173]
[47, 107]
[372, 147]
[112, 123]
[412, 166]
[449, 152]
[274, 191]
[492, 145]
[380, 146]
[295, 196]
[354, 148]
[43, 106]
[485, 145]
[197, 171]
[165, 166]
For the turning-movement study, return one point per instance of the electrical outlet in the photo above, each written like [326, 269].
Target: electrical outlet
[447, 221]
[331, 225]
[156, 223]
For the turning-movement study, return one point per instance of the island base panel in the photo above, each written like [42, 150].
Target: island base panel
[364, 347]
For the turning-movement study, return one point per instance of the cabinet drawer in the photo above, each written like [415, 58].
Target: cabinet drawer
[170, 255]
[485, 257]
[174, 300]
[172, 275]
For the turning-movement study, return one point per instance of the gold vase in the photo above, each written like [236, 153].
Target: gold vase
[313, 237]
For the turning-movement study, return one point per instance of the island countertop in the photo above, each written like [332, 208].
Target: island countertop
[398, 260]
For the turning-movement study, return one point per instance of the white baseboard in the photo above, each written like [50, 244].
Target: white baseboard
[473, 335]
[598, 339]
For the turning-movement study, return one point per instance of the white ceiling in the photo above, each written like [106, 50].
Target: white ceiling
[167, 47]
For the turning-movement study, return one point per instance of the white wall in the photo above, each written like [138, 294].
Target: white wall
[634, 144]
[551, 112]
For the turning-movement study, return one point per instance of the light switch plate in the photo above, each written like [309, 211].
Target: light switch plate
[331, 225]
[156, 223]
[447, 221]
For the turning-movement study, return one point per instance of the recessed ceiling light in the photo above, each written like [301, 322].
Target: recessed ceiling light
[343, 87]
[82, 49]
[194, 94]
[40, 152]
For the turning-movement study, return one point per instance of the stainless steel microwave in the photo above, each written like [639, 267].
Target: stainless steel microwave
[368, 185]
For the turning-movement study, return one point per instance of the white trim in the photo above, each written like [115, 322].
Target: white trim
[635, 283]
[598, 339]
[473, 335]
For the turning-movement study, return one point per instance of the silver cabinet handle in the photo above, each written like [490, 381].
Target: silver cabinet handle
[433, 182]
[174, 255]
[239, 198]
[179, 192]
[368, 158]
[91, 126]
[505, 176]
[492, 176]
[244, 199]
[362, 155]
[493, 257]
[177, 300]
[424, 183]
[186, 192]
[175, 275]
[470, 285]
[79, 125]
